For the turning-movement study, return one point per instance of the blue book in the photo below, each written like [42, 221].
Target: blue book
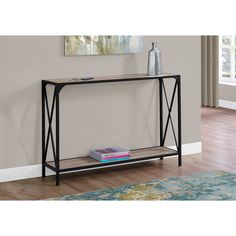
[115, 159]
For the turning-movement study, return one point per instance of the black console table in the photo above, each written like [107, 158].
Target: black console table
[59, 165]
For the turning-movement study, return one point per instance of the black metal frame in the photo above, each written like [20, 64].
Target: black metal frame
[56, 106]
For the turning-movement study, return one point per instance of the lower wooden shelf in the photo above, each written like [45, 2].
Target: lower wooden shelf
[87, 162]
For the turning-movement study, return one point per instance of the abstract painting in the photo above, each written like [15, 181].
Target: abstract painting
[102, 45]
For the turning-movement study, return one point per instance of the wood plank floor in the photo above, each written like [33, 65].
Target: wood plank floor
[218, 137]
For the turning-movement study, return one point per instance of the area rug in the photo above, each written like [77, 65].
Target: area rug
[214, 185]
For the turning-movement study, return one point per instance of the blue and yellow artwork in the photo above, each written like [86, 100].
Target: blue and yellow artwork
[102, 45]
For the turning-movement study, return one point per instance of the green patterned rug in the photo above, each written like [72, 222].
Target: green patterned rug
[214, 185]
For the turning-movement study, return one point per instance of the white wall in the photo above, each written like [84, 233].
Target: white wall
[91, 116]
[227, 92]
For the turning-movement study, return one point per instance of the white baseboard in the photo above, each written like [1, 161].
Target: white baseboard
[22, 172]
[27, 172]
[190, 148]
[227, 104]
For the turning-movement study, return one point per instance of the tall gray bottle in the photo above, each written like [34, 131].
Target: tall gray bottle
[154, 61]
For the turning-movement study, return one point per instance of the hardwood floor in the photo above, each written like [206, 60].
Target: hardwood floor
[218, 137]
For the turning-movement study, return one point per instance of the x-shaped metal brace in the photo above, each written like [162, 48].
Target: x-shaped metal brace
[50, 110]
[169, 109]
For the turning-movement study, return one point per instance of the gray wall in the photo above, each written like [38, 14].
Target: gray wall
[227, 92]
[96, 115]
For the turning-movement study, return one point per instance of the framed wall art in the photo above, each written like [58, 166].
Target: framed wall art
[102, 45]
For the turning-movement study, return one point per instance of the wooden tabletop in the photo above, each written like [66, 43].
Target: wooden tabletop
[105, 79]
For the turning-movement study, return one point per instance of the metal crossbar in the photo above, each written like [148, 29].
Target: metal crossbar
[50, 118]
[169, 107]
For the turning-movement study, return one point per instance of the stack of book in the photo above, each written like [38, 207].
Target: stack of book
[110, 154]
